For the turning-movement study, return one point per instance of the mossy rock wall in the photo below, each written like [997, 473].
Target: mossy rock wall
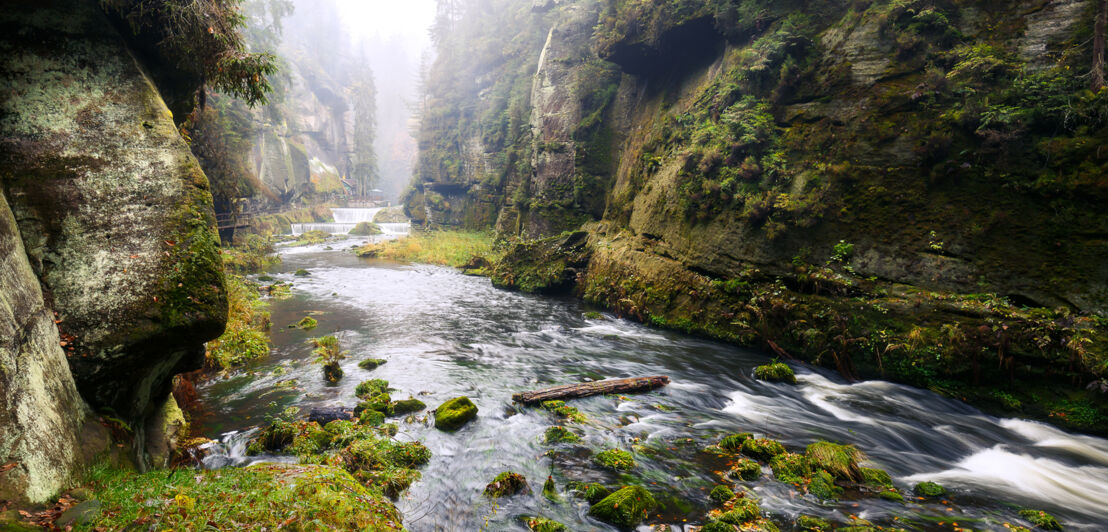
[41, 413]
[902, 189]
[114, 211]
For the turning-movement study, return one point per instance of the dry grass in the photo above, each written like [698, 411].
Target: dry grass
[449, 248]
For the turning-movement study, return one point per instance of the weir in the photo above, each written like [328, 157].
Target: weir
[347, 218]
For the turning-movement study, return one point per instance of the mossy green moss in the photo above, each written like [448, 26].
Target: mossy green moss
[627, 507]
[365, 389]
[762, 448]
[542, 524]
[550, 490]
[876, 478]
[823, 486]
[507, 484]
[721, 494]
[808, 523]
[741, 511]
[776, 372]
[615, 459]
[930, 490]
[1041, 519]
[592, 492]
[717, 526]
[371, 363]
[307, 323]
[791, 468]
[734, 442]
[406, 406]
[380, 402]
[746, 469]
[839, 460]
[455, 413]
[265, 495]
[559, 434]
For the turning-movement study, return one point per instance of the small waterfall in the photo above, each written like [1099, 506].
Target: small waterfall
[347, 218]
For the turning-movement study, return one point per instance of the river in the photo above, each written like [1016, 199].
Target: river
[445, 334]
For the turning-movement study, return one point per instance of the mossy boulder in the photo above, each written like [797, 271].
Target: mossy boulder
[791, 468]
[742, 511]
[278, 435]
[365, 229]
[841, 461]
[542, 524]
[734, 443]
[455, 413]
[808, 523]
[406, 406]
[301, 273]
[379, 402]
[930, 490]
[615, 459]
[307, 323]
[627, 507]
[559, 434]
[721, 494]
[876, 478]
[365, 389]
[545, 266]
[371, 363]
[115, 218]
[716, 526]
[507, 484]
[823, 486]
[1041, 519]
[776, 372]
[762, 448]
[592, 492]
[371, 418]
[746, 469]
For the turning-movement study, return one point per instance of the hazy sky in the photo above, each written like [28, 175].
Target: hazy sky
[410, 18]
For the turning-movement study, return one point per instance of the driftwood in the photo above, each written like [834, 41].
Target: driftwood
[572, 391]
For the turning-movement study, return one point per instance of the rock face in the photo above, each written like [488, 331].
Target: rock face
[113, 210]
[40, 411]
[825, 181]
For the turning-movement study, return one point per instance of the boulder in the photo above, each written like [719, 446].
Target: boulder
[455, 413]
[326, 414]
[113, 209]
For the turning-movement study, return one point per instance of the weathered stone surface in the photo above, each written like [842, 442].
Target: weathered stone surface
[40, 411]
[164, 431]
[1049, 24]
[113, 209]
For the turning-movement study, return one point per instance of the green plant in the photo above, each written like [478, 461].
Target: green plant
[842, 252]
[203, 39]
[329, 355]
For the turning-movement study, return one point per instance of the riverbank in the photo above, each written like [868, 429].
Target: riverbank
[1011, 360]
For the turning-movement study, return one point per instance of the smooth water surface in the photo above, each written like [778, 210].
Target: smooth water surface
[445, 335]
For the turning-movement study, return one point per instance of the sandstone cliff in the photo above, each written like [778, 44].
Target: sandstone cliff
[108, 224]
[908, 189]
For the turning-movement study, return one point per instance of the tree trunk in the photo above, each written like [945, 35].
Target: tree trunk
[1098, 46]
[572, 391]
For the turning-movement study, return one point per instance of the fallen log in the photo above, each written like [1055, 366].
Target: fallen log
[585, 389]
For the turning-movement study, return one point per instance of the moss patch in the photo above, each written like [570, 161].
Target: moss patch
[455, 413]
[776, 372]
[615, 459]
[507, 484]
[626, 507]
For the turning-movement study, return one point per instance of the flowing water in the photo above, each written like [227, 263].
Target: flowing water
[348, 218]
[445, 335]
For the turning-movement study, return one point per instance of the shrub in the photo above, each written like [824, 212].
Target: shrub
[328, 355]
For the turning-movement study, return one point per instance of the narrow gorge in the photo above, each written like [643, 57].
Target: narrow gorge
[803, 265]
